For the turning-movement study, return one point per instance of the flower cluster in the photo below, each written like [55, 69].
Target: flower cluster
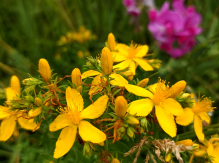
[175, 29]
[124, 107]
[81, 36]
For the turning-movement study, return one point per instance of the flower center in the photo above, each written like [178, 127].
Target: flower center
[132, 50]
[71, 114]
[203, 105]
[161, 92]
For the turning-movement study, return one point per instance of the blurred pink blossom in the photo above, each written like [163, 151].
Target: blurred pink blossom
[178, 25]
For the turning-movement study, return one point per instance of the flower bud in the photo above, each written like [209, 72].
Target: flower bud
[177, 88]
[87, 148]
[130, 77]
[114, 160]
[106, 61]
[121, 129]
[15, 84]
[29, 98]
[16, 133]
[143, 82]
[141, 130]
[79, 89]
[111, 42]
[38, 101]
[31, 81]
[121, 106]
[186, 142]
[130, 132]
[35, 112]
[132, 120]
[143, 122]
[44, 69]
[76, 77]
[168, 157]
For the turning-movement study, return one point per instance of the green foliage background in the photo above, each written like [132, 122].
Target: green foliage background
[29, 30]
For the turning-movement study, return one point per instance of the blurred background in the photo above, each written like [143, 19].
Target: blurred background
[65, 32]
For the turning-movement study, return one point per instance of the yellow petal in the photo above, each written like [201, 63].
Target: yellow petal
[74, 99]
[96, 84]
[123, 65]
[186, 142]
[65, 141]
[138, 91]
[176, 89]
[144, 64]
[142, 52]
[15, 84]
[89, 73]
[166, 121]
[27, 124]
[4, 112]
[10, 93]
[96, 109]
[198, 128]
[186, 118]
[122, 48]
[118, 80]
[132, 67]
[7, 128]
[172, 106]
[205, 117]
[140, 107]
[60, 122]
[35, 112]
[118, 57]
[90, 133]
[215, 154]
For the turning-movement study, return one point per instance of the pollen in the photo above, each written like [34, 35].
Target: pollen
[203, 105]
[161, 92]
[132, 50]
[71, 114]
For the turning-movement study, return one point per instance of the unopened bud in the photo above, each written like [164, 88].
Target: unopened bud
[29, 98]
[35, 112]
[130, 132]
[111, 42]
[195, 146]
[15, 84]
[87, 148]
[115, 160]
[106, 61]
[177, 88]
[121, 129]
[76, 77]
[121, 106]
[38, 101]
[143, 83]
[29, 89]
[168, 157]
[44, 69]
[143, 122]
[130, 77]
[79, 89]
[185, 95]
[132, 120]
[186, 142]
[141, 130]
[16, 133]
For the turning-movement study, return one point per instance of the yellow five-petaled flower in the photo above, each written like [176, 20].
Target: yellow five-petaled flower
[162, 97]
[72, 117]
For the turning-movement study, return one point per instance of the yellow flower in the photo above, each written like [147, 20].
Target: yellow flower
[197, 113]
[44, 69]
[162, 97]
[132, 57]
[106, 61]
[9, 118]
[213, 149]
[72, 117]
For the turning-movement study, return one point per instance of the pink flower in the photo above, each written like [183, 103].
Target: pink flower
[179, 25]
